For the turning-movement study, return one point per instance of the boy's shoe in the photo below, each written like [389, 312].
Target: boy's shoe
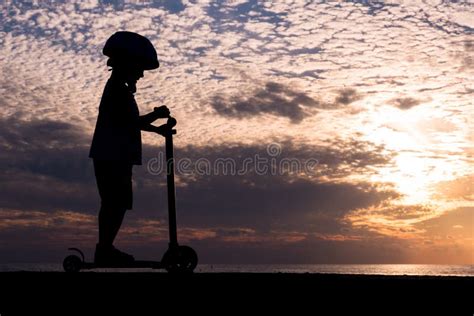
[110, 256]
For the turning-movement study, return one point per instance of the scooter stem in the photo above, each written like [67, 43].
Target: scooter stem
[170, 183]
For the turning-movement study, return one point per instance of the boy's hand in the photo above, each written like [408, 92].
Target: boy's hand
[162, 111]
[162, 130]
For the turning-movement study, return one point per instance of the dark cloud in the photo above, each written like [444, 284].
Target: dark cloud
[336, 159]
[466, 91]
[20, 135]
[273, 203]
[374, 7]
[467, 56]
[251, 10]
[45, 166]
[44, 237]
[405, 103]
[279, 100]
[43, 245]
[469, 45]
[317, 200]
[347, 96]
[274, 98]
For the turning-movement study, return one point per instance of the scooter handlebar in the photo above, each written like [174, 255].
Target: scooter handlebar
[171, 122]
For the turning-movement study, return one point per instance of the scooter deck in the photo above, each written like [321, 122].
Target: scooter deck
[134, 265]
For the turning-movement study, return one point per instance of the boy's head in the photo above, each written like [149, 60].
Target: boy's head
[129, 55]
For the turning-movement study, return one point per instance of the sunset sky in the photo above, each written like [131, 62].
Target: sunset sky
[380, 94]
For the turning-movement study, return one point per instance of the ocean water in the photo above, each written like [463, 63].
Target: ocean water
[380, 269]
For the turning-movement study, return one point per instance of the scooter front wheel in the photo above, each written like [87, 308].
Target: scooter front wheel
[181, 259]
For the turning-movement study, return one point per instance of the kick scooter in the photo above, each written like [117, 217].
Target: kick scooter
[177, 258]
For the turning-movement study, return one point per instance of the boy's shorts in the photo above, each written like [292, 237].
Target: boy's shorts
[114, 181]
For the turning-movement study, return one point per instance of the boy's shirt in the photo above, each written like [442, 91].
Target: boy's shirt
[117, 133]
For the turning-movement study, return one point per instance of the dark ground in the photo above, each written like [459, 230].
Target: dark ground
[43, 293]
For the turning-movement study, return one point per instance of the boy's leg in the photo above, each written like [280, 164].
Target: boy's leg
[110, 221]
[114, 184]
[106, 254]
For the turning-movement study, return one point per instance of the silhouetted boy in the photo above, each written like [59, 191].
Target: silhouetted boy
[116, 144]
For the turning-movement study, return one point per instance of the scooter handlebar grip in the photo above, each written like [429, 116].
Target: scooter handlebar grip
[171, 122]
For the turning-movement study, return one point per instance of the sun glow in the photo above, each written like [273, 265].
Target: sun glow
[423, 157]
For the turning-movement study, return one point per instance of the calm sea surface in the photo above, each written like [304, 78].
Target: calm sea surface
[384, 269]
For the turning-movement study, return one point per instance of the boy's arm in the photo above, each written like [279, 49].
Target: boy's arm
[147, 119]
[155, 129]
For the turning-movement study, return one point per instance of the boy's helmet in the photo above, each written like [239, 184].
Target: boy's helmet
[132, 48]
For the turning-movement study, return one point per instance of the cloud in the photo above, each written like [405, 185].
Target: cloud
[430, 233]
[436, 124]
[33, 236]
[147, 239]
[279, 100]
[274, 98]
[45, 165]
[466, 57]
[459, 188]
[405, 103]
[347, 96]
[334, 161]
[47, 169]
[285, 210]
[452, 230]
[288, 201]
[391, 213]
[45, 236]
[272, 202]
[213, 43]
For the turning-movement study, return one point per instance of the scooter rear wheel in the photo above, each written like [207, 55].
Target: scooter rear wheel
[72, 263]
[181, 259]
